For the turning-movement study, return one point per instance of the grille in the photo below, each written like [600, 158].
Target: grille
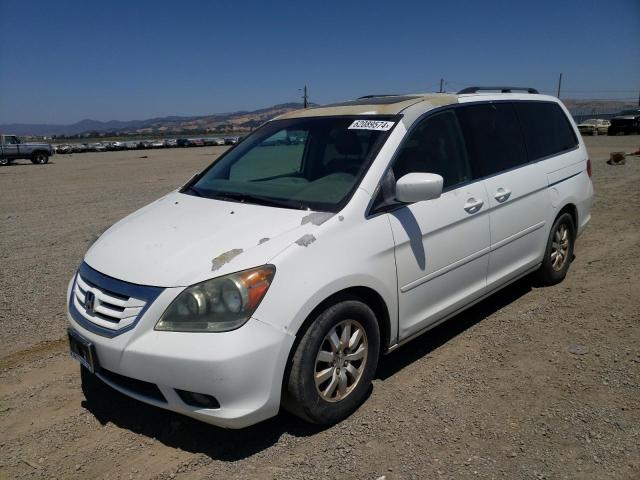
[110, 310]
[108, 306]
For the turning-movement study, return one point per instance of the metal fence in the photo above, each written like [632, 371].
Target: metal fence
[582, 115]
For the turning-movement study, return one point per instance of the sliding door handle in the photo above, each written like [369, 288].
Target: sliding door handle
[502, 195]
[473, 205]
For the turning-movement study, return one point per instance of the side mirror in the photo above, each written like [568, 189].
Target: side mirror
[416, 187]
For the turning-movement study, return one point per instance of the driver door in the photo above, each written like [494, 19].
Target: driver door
[441, 245]
[11, 146]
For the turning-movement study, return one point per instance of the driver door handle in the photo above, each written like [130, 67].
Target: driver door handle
[502, 195]
[473, 205]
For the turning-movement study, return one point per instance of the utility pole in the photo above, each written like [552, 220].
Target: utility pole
[559, 85]
[441, 82]
[305, 97]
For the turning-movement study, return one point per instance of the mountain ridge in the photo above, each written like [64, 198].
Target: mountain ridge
[238, 120]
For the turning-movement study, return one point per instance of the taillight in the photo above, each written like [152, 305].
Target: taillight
[589, 167]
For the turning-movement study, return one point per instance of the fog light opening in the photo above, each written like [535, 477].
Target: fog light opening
[200, 400]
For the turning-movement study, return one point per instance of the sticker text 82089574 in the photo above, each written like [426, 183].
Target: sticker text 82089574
[371, 125]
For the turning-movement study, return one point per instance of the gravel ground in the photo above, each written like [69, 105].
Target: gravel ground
[531, 383]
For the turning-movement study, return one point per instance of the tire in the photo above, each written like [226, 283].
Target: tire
[558, 254]
[4, 161]
[611, 132]
[40, 158]
[340, 391]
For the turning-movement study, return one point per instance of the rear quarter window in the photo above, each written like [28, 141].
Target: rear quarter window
[546, 129]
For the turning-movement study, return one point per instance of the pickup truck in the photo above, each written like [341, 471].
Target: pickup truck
[12, 148]
[627, 121]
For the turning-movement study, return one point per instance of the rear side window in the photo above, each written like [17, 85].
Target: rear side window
[546, 129]
[493, 137]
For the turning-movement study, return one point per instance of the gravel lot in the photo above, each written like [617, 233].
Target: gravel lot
[531, 383]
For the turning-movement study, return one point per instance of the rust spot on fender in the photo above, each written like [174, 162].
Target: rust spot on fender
[263, 240]
[225, 258]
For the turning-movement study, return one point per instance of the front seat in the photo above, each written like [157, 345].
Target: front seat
[350, 159]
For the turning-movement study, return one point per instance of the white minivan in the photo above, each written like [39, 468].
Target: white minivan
[327, 237]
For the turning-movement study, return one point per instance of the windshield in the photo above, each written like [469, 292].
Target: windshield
[305, 163]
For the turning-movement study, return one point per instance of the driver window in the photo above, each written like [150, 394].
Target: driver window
[435, 146]
[13, 140]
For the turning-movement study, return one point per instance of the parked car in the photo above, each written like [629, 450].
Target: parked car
[197, 142]
[79, 147]
[13, 148]
[62, 148]
[594, 126]
[628, 121]
[131, 145]
[183, 142]
[218, 141]
[279, 275]
[231, 140]
[158, 143]
[170, 142]
[96, 147]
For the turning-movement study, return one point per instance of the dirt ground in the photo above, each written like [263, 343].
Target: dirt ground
[530, 384]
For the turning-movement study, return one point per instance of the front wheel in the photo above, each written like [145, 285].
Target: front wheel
[559, 252]
[334, 363]
[4, 161]
[40, 158]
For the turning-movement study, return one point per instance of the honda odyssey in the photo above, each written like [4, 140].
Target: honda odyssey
[279, 274]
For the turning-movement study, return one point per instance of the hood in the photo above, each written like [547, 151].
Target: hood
[180, 240]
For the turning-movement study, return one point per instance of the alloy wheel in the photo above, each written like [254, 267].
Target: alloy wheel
[560, 247]
[341, 360]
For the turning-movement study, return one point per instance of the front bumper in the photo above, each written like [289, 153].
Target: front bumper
[242, 369]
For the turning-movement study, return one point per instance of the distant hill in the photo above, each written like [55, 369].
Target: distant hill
[241, 120]
[233, 121]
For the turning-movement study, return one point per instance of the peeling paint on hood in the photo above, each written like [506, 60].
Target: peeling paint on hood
[181, 240]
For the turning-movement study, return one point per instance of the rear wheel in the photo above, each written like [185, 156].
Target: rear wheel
[334, 363]
[4, 161]
[559, 252]
[40, 158]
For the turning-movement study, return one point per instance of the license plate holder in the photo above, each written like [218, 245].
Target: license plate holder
[82, 350]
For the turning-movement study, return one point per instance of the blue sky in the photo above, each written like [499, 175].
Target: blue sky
[62, 61]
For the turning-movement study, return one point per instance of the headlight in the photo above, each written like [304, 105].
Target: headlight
[220, 304]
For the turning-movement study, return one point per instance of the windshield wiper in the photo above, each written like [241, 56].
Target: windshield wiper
[193, 190]
[258, 200]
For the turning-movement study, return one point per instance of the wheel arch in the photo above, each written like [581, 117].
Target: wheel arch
[368, 296]
[37, 152]
[572, 210]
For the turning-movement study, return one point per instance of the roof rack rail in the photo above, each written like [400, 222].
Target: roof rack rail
[500, 89]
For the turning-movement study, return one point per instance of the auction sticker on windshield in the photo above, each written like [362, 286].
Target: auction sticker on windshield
[371, 125]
